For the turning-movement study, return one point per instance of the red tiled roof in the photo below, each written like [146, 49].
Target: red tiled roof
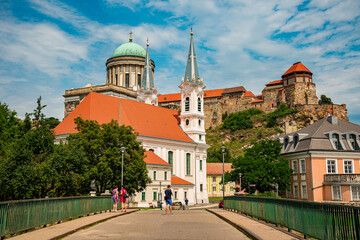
[249, 94]
[147, 120]
[179, 181]
[153, 159]
[297, 67]
[234, 89]
[177, 96]
[274, 82]
[169, 97]
[217, 168]
[257, 101]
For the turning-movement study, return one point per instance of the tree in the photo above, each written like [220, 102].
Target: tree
[101, 146]
[214, 154]
[240, 120]
[263, 166]
[9, 124]
[325, 100]
[23, 167]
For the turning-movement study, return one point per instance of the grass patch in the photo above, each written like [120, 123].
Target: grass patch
[215, 198]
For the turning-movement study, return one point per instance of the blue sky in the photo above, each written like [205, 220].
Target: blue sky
[47, 46]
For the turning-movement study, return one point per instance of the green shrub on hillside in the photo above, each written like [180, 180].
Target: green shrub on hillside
[239, 120]
[281, 111]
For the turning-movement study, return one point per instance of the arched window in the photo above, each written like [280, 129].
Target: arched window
[199, 122]
[296, 140]
[170, 160]
[286, 142]
[188, 164]
[199, 104]
[187, 122]
[336, 140]
[151, 150]
[187, 104]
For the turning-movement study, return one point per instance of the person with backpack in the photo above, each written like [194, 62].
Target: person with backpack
[168, 194]
[123, 198]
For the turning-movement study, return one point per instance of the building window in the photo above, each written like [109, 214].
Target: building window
[231, 188]
[348, 166]
[199, 122]
[336, 141]
[331, 166]
[200, 165]
[116, 79]
[170, 160]
[127, 81]
[214, 179]
[336, 192]
[151, 150]
[154, 196]
[302, 166]
[175, 196]
[199, 137]
[188, 164]
[296, 191]
[154, 175]
[187, 104]
[296, 141]
[352, 139]
[214, 188]
[139, 80]
[201, 187]
[295, 166]
[165, 175]
[286, 142]
[199, 105]
[187, 122]
[143, 196]
[303, 191]
[112, 76]
[355, 193]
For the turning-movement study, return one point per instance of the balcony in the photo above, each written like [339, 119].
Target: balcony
[342, 178]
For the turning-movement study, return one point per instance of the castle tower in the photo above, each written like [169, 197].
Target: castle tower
[147, 92]
[192, 99]
[298, 85]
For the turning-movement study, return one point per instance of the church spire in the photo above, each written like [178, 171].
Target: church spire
[192, 72]
[147, 82]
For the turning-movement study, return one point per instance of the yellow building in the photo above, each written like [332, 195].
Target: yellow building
[214, 173]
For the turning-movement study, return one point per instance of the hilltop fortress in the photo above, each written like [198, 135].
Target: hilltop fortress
[125, 70]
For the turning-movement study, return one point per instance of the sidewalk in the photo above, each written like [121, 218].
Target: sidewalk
[69, 227]
[252, 228]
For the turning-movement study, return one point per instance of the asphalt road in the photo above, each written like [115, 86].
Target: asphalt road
[154, 224]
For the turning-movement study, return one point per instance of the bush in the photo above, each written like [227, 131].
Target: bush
[239, 120]
[281, 111]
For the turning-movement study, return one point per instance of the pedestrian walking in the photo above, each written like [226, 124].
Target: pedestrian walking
[168, 194]
[115, 197]
[123, 198]
[186, 202]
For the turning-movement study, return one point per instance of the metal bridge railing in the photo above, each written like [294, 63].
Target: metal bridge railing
[318, 220]
[17, 216]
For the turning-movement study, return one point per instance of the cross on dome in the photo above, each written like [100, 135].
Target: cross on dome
[130, 39]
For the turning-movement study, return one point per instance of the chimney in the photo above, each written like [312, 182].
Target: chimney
[333, 120]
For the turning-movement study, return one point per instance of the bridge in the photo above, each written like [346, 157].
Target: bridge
[243, 218]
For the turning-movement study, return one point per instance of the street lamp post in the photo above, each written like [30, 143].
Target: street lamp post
[240, 174]
[122, 165]
[160, 195]
[223, 183]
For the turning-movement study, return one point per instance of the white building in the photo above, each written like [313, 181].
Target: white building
[182, 148]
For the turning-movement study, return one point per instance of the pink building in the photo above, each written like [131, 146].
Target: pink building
[325, 158]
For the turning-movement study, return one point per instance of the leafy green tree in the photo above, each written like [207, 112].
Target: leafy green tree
[263, 166]
[240, 120]
[325, 100]
[214, 154]
[101, 145]
[9, 124]
[23, 167]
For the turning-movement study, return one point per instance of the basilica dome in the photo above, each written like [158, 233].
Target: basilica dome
[129, 49]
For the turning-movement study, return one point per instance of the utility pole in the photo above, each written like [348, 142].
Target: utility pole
[122, 165]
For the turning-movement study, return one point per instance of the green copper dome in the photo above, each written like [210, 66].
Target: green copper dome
[129, 49]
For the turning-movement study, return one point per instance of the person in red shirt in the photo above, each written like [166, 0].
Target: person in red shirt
[123, 195]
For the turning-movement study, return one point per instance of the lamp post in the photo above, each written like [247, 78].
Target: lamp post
[223, 183]
[122, 165]
[277, 189]
[240, 174]
[160, 195]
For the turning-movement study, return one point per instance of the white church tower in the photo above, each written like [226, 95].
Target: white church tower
[147, 93]
[192, 99]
